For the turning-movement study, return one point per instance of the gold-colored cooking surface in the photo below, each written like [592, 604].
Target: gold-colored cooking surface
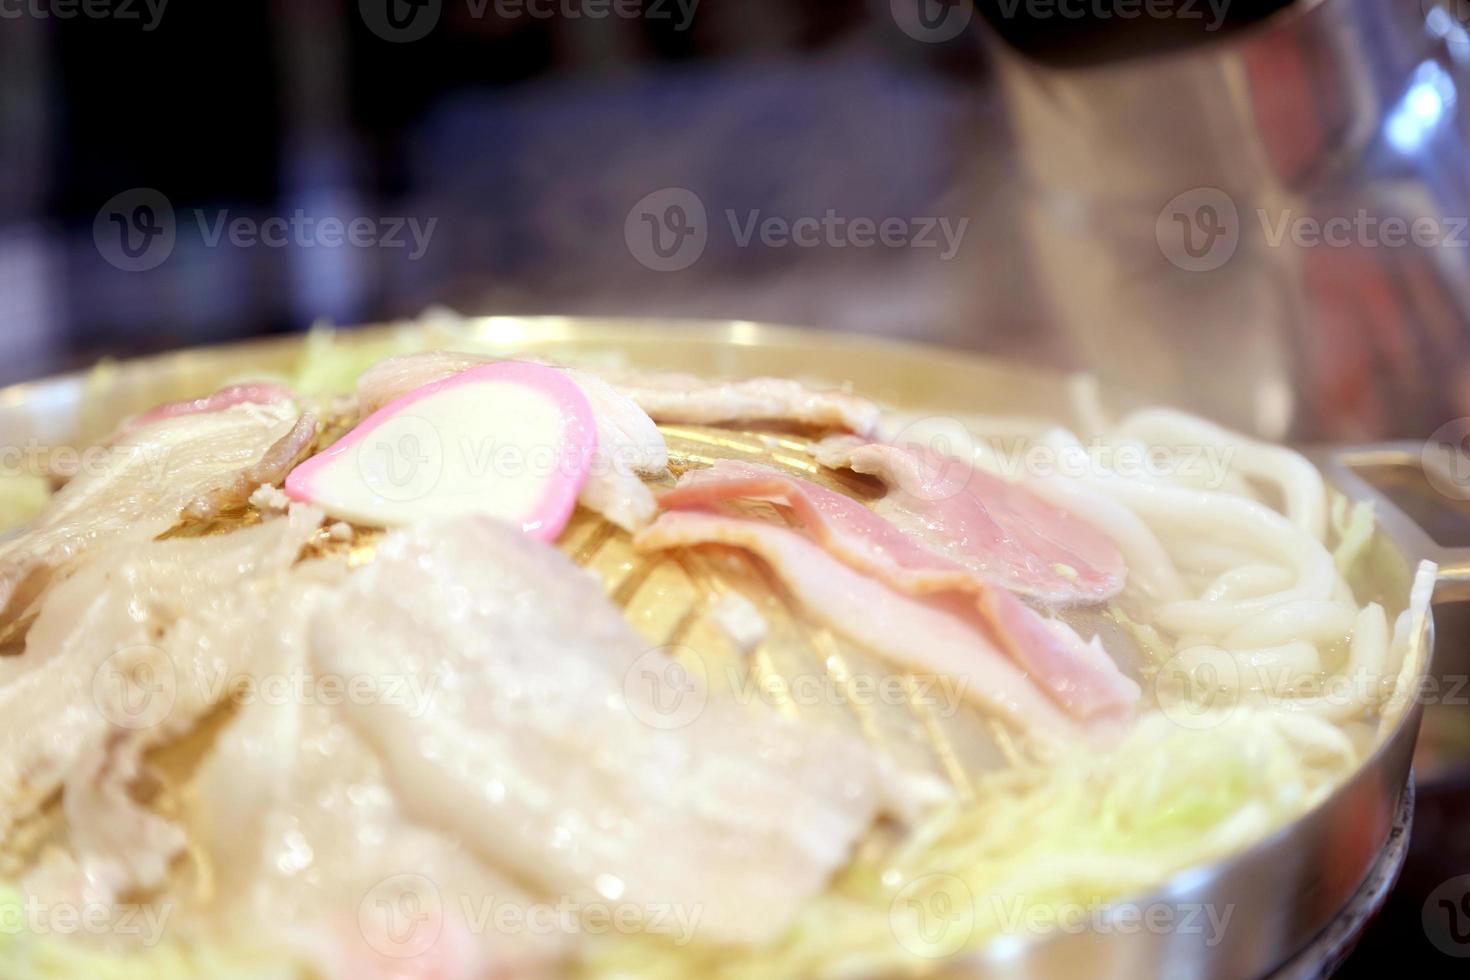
[801, 667]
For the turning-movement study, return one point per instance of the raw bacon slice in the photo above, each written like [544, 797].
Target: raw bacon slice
[1082, 681]
[922, 636]
[666, 397]
[986, 524]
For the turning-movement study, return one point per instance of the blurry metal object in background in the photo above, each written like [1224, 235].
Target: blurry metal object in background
[1264, 221]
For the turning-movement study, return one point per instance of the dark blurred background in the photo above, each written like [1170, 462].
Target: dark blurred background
[508, 155]
[1077, 183]
[517, 135]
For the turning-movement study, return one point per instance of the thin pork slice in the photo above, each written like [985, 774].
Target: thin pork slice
[688, 398]
[989, 525]
[138, 644]
[270, 470]
[137, 491]
[1056, 659]
[258, 393]
[919, 635]
[310, 844]
[560, 747]
[629, 446]
[664, 396]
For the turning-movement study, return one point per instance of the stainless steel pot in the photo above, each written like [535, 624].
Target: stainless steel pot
[1218, 225]
[1281, 892]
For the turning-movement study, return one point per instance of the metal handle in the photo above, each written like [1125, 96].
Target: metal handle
[1342, 466]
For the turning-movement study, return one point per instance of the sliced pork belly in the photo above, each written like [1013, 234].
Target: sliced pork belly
[309, 844]
[228, 397]
[116, 845]
[687, 398]
[665, 397]
[137, 644]
[986, 524]
[395, 377]
[923, 636]
[559, 747]
[628, 443]
[629, 446]
[1080, 680]
[147, 478]
[270, 470]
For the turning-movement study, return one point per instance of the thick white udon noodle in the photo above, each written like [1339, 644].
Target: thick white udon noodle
[1263, 597]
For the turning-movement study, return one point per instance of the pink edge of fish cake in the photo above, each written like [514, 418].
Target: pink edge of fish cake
[549, 516]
